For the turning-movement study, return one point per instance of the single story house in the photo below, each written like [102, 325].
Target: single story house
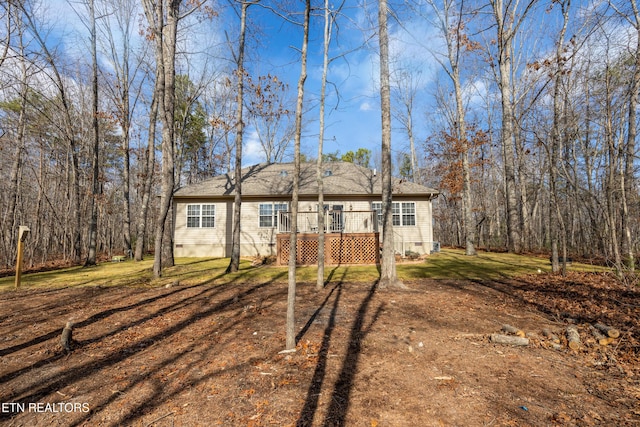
[352, 200]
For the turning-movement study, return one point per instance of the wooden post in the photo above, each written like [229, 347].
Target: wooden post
[22, 235]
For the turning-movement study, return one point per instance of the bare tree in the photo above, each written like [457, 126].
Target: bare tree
[148, 167]
[326, 37]
[220, 107]
[8, 17]
[451, 25]
[234, 262]
[555, 216]
[65, 110]
[95, 128]
[407, 83]
[270, 116]
[117, 36]
[329, 20]
[163, 18]
[508, 17]
[628, 175]
[388, 275]
[612, 164]
[10, 222]
[293, 256]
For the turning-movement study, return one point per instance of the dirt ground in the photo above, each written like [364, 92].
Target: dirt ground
[209, 355]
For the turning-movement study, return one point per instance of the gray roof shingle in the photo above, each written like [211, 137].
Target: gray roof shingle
[276, 179]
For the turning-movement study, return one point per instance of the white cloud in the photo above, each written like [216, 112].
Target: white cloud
[412, 47]
[476, 93]
[365, 106]
[252, 151]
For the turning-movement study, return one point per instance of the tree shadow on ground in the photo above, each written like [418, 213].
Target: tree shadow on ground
[316, 313]
[315, 387]
[562, 299]
[160, 394]
[588, 298]
[92, 319]
[96, 317]
[340, 399]
[204, 305]
[341, 394]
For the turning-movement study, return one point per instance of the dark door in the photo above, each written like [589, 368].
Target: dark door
[337, 219]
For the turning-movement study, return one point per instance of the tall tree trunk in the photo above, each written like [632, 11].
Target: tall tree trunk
[234, 262]
[14, 186]
[76, 210]
[163, 20]
[556, 141]
[388, 275]
[611, 174]
[16, 169]
[522, 190]
[291, 294]
[467, 206]
[453, 33]
[628, 183]
[508, 154]
[93, 224]
[123, 15]
[148, 168]
[469, 223]
[415, 175]
[508, 17]
[319, 171]
[126, 159]
[126, 190]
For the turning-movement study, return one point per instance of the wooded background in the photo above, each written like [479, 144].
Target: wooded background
[532, 121]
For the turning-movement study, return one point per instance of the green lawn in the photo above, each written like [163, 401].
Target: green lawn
[454, 264]
[449, 263]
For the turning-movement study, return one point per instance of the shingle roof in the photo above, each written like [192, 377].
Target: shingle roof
[276, 179]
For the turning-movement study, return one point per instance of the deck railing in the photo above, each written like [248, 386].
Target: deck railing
[335, 221]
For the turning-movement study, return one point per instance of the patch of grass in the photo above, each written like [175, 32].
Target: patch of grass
[104, 274]
[454, 264]
[447, 264]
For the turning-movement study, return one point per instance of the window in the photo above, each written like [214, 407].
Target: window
[395, 211]
[268, 213]
[201, 216]
[208, 216]
[377, 206]
[193, 216]
[404, 214]
[408, 213]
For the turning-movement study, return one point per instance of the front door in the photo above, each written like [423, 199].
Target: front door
[336, 219]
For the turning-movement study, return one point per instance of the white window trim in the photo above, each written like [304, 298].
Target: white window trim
[274, 213]
[400, 213]
[201, 215]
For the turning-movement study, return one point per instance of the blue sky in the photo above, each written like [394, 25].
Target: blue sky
[273, 49]
[353, 119]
